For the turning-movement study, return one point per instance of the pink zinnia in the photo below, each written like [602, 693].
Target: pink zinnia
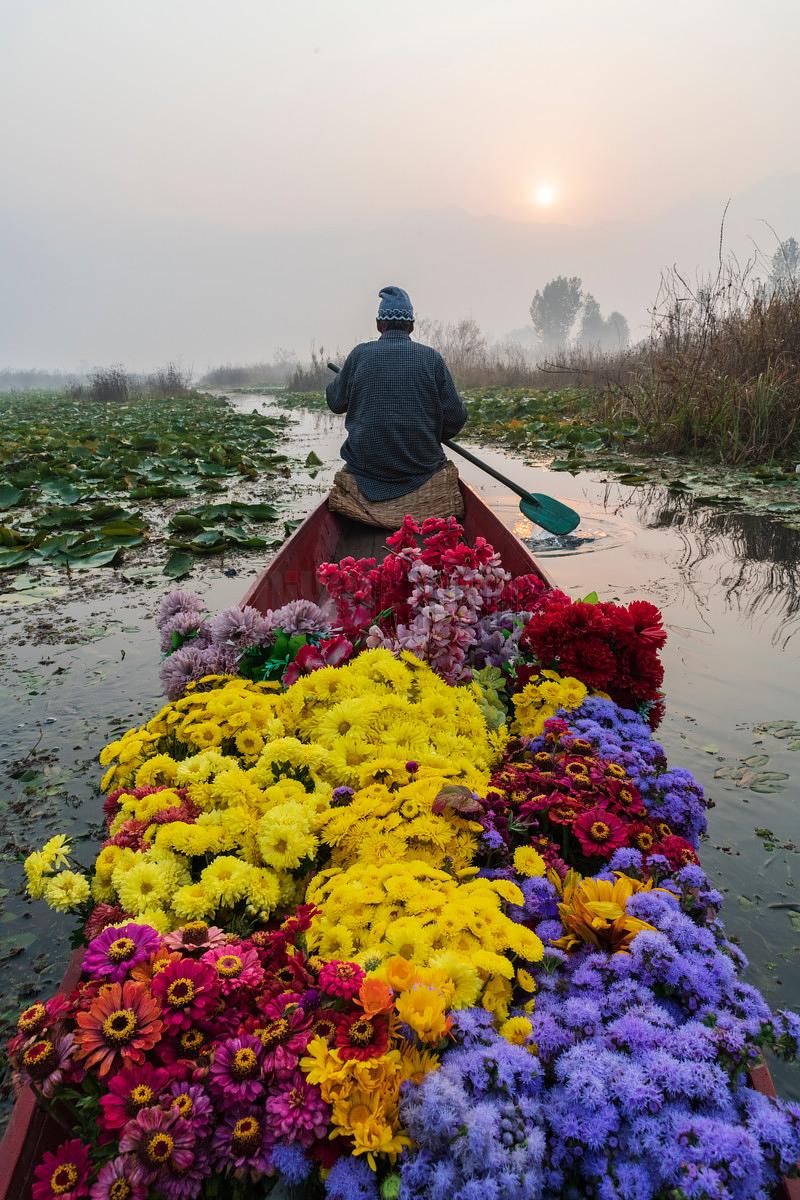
[120, 1171]
[187, 991]
[342, 979]
[284, 1032]
[63, 1175]
[162, 1142]
[130, 1090]
[118, 948]
[236, 965]
[195, 936]
[599, 832]
[298, 1113]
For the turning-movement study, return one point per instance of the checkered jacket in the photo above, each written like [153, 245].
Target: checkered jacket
[400, 402]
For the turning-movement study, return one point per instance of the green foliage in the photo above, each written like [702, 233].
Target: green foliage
[72, 464]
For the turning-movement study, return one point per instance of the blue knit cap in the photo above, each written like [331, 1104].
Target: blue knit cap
[395, 305]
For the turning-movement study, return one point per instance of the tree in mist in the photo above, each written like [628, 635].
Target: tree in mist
[785, 265]
[599, 333]
[593, 327]
[618, 333]
[554, 309]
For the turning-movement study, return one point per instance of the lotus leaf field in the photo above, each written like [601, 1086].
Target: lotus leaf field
[83, 483]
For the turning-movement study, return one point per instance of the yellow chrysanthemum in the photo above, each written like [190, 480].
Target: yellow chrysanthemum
[56, 852]
[516, 1030]
[464, 977]
[66, 891]
[528, 862]
[142, 886]
[194, 902]
[227, 878]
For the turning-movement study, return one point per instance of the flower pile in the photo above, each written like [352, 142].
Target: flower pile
[398, 897]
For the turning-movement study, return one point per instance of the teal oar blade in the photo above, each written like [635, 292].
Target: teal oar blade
[543, 510]
[551, 514]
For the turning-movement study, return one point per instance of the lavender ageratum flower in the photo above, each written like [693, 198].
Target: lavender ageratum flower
[240, 628]
[299, 616]
[292, 1162]
[351, 1179]
[477, 1121]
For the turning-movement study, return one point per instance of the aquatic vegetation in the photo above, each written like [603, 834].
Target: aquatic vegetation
[380, 929]
[82, 480]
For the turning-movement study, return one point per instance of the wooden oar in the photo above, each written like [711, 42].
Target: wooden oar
[543, 510]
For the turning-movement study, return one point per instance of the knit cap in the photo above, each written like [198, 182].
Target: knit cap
[395, 305]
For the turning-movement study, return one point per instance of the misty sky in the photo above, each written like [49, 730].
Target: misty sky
[209, 179]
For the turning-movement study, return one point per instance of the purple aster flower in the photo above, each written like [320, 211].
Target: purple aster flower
[176, 602]
[299, 616]
[191, 663]
[118, 948]
[240, 628]
[236, 1074]
[191, 1100]
[297, 1112]
[162, 1144]
[124, 1172]
[242, 1141]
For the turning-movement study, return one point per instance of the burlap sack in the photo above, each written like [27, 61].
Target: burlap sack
[439, 497]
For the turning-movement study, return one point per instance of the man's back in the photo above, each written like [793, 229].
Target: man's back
[400, 402]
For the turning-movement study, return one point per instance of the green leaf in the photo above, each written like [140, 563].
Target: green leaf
[62, 489]
[186, 523]
[14, 558]
[592, 598]
[102, 558]
[178, 564]
[9, 496]
[312, 460]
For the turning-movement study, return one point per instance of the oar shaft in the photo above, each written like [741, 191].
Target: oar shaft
[484, 466]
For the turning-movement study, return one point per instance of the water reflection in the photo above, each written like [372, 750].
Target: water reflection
[758, 557]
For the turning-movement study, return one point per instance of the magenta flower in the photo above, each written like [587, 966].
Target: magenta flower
[118, 948]
[330, 653]
[129, 1091]
[237, 1069]
[236, 966]
[63, 1175]
[187, 992]
[341, 979]
[124, 1173]
[162, 1143]
[297, 1112]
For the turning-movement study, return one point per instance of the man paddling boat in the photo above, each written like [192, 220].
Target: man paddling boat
[400, 404]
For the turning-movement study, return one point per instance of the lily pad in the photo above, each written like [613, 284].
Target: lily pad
[178, 564]
[9, 496]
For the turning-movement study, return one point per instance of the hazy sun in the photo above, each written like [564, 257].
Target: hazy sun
[545, 195]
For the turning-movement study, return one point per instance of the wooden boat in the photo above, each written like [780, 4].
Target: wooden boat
[291, 575]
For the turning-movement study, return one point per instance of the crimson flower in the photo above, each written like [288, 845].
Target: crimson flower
[599, 832]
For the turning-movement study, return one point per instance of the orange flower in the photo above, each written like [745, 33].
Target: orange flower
[122, 1024]
[401, 973]
[146, 970]
[374, 996]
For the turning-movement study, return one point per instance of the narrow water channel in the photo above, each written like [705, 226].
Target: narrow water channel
[77, 673]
